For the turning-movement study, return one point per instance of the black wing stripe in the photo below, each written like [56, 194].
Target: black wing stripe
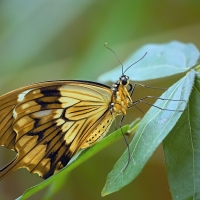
[40, 129]
[84, 112]
[6, 131]
[92, 125]
[30, 148]
[10, 142]
[49, 153]
[54, 153]
[4, 122]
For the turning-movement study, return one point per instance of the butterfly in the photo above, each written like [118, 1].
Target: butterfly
[47, 123]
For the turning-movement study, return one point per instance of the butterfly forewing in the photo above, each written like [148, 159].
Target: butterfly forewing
[47, 123]
[7, 134]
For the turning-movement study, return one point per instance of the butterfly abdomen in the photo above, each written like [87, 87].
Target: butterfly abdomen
[99, 131]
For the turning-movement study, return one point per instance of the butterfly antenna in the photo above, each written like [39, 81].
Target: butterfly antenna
[105, 44]
[136, 62]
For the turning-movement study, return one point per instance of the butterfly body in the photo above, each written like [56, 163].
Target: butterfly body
[47, 123]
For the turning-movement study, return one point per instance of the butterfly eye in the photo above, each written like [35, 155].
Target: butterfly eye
[124, 80]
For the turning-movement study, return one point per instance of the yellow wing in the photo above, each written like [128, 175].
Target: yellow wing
[47, 123]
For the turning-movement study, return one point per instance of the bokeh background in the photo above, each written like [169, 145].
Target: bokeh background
[48, 40]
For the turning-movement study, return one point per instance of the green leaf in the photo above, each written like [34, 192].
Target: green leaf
[55, 187]
[182, 150]
[153, 128]
[197, 68]
[82, 156]
[162, 60]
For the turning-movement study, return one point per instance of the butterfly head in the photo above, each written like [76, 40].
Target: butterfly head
[122, 89]
[124, 80]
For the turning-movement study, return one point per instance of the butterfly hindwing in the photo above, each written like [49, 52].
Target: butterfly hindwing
[48, 123]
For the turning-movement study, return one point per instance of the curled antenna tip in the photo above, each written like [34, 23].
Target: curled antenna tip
[105, 44]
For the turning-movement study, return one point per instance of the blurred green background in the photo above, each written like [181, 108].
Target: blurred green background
[48, 40]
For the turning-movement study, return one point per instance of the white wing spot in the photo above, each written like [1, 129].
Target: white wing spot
[42, 113]
[22, 95]
[14, 113]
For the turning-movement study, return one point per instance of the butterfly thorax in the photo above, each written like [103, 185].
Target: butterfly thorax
[121, 99]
